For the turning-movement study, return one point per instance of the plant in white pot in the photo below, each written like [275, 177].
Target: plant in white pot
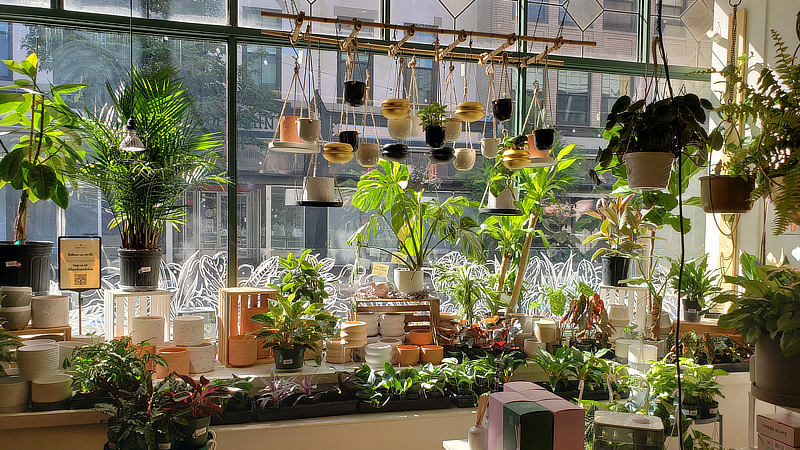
[39, 153]
[144, 188]
[420, 226]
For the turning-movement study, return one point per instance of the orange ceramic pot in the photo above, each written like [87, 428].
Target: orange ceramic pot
[407, 355]
[177, 359]
[432, 354]
[420, 337]
[242, 350]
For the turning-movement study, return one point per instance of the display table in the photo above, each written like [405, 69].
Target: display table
[707, 326]
[459, 444]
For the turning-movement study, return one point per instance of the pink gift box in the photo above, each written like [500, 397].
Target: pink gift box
[521, 386]
[568, 423]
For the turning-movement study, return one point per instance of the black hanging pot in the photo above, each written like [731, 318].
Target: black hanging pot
[349, 137]
[355, 92]
[395, 152]
[614, 269]
[502, 109]
[544, 139]
[434, 136]
[442, 155]
[725, 194]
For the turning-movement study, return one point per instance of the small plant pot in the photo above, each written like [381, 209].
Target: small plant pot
[148, 328]
[690, 410]
[288, 359]
[489, 147]
[614, 269]
[318, 189]
[452, 128]
[188, 331]
[400, 128]
[420, 337]
[288, 129]
[502, 109]
[505, 199]
[354, 334]
[464, 159]
[407, 355]
[196, 432]
[242, 350]
[368, 154]
[409, 281]
[395, 152]
[416, 127]
[648, 171]
[532, 149]
[349, 137]
[708, 410]
[355, 92]
[544, 139]
[139, 269]
[177, 361]
[691, 311]
[432, 354]
[202, 357]
[308, 130]
[15, 296]
[442, 155]
[724, 194]
[435, 136]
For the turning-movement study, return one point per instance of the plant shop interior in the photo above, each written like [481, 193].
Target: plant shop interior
[457, 224]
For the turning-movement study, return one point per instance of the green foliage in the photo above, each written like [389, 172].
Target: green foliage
[769, 305]
[49, 146]
[698, 282]
[294, 323]
[558, 367]
[8, 342]
[621, 226]
[419, 226]
[432, 115]
[143, 189]
[465, 284]
[200, 399]
[301, 278]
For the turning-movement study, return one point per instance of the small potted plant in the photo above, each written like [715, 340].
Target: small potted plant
[502, 188]
[432, 120]
[707, 389]
[513, 151]
[587, 314]
[698, 284]
[464, 283]
[238, 408]
[193, 407]
[292, 325]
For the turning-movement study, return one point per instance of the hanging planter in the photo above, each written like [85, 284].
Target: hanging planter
[489, 147]
[308, 130]
[502, 204]
[502, 109]
[514, 156]
[435, 136]
[395, 152]
[416, 121]
[337, 152]
[442, 155]
[470, 111]
[395, 108]
[400, 128]
[355, 92]
[464, 159]
[320, 191]
[368, 154]
[542, 139]
[726, 194]
[349, 137]
[452, 128]
[288, 139]
[648, 171]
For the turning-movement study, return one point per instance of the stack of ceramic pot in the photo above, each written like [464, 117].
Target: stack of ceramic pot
[354, 334]
[48, 311]
[148, 328]
[393, 325]
[545, 330]
[378, 354]
[371, 319]
[336, 353]
[619, 318]
[395, 108]
[15, 306]
[50, 392]
[188, 331]
[37, 360]
[420, 337]
[621, 349]
[470, 111]
[14, 393]
[394, 343]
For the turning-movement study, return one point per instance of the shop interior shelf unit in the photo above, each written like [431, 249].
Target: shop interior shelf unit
[122, 306]
[235, 306]
[635, 297]
[419, 313]
[28, 332]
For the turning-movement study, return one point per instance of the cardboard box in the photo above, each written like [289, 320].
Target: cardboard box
[783, 427]
[767, 443]
[531, 424]
[496, 402]
[521, 386]
[568, 423]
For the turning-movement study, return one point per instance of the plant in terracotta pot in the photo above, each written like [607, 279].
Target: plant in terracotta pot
[193, 408]
[699, 283]
[292, 325]
[39, 166]
[432, 120]
[144, 188]
[419, 226]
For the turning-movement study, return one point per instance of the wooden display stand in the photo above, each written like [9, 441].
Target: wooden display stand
[708, 326]
[234, 306]
[140, 303]
[635, 297]
[28, 332]
[419, 314]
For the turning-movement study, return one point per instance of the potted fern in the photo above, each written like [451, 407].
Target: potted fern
[143, 189]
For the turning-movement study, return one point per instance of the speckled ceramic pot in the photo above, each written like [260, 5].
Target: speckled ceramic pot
[242, 350]
[202, 357]
[188, 331]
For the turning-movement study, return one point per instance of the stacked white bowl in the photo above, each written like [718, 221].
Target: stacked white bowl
[378, 354]
[51, 389]
[371, 320]
[37, 361]
[393, 325]
[14, 393]
[15, 306]
[394, 342]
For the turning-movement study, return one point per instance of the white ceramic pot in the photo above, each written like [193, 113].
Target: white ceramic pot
[400, 128]
[14, 393]
[318, 189]
[148, 328]
[16, 296]
[545, 330]
[188, 331]
[416, 126]
[618, 312]
[378, 349]
[452, 129]
[465, 159]
[621, 349]
[51, 389]
[49, 311]
[392, 330]
[308, 130]
[504, 200]
[489, 147]
[648, 171]
[532, 346]
[368, 154]
[39, 341]
[202, 357]
[393, 342]
[89, 339]
[642, 353]
[65, 349]
[37, 361]
[409, 281]
[16, 317]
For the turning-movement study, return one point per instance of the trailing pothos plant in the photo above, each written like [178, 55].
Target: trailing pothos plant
[420, 226]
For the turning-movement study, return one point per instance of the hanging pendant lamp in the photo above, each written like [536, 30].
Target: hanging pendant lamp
[131, 142]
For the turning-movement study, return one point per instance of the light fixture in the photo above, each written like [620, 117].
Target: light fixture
[131, 143]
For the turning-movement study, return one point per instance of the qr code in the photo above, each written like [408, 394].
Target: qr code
[80, 279]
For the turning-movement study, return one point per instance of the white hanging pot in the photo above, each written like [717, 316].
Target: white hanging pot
[452, 129]
[308, 130]
[368, 154]
[504, 200]
[416, 127]
[318, 189]
[465, 159]
[489, 147]
[400, 128]
[408, 281]
[648, 171]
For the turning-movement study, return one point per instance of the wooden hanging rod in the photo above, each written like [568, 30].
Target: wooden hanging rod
[298, 19]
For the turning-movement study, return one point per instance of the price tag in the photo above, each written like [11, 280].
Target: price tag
[398, 258]
[381, 270]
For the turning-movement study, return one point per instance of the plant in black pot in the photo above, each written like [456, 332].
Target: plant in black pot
[238, 408]
[38, 165]
[432, 119]
[765, 313]
[144, 188]
[621, 229]
[292, 325]
[706, 388]
[193, 407]
[698, 284]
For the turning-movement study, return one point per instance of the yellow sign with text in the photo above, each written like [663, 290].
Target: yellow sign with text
[381, 270]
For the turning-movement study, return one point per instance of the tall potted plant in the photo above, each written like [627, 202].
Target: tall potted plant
[420, 226]
[38, 165]
[143, 189]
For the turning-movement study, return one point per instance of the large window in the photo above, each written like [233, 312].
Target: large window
[573, 98]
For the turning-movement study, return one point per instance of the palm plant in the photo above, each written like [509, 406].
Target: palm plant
[464, 282]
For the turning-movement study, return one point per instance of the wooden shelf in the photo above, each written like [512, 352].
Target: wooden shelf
[708, 326]
[29, 331]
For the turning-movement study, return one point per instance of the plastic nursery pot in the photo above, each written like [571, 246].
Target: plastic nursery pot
[308, 130]
[691, 311]
[349, 137]
[435, 136]
[407, 355]
[420, 337]
[355, 92]
[614, 269]
[288, 359]
[544, 139]
[725, 194]
[395, 152]
[442, 155]
[139, 269]
[32, 266]
[648, 171]
[502, 109]
[196, 432]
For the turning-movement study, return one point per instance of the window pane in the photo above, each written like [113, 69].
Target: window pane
[198, 11]
[684, 24]
[364, 10]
